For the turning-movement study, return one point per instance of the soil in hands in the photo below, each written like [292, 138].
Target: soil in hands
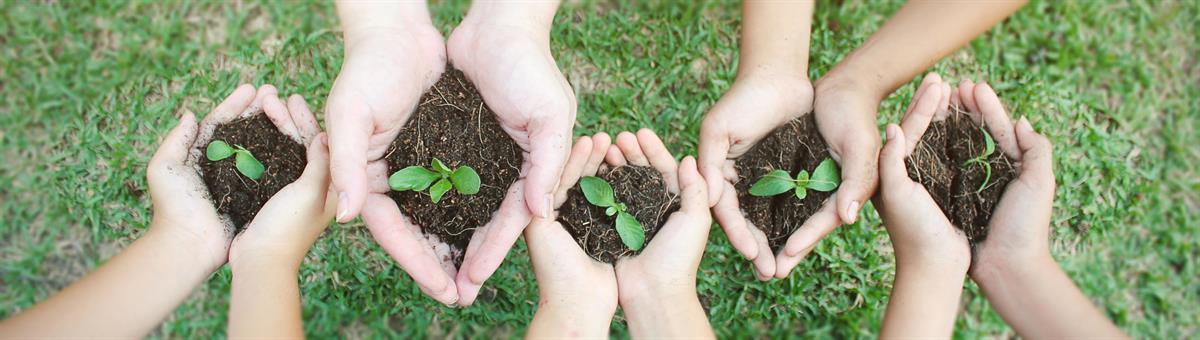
[238, 196]
[644, 193]
[938, 164]
[794, 146]
[453, 124]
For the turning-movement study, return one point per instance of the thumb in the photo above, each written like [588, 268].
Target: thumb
[176, 147]
[317, 170]
[858, 177]
[1037, 161]
[548, 151]
[350, 126]
[892, 170]
[712, 152]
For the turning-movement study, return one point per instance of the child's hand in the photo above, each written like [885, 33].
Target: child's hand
[290, 222]
[657, 288]
[576, 293]
[182, 208]
[1020, 225]
[753, 107]
[921, 234]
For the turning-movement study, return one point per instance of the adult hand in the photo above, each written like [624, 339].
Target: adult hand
[292, 220]
[577, 294]
[756, 105]
[393, 53]
[508, 59]
[657, 288]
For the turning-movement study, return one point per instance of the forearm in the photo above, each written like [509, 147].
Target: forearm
[126, 297]
[775, 38]
[570, 320]
[1039, 301]
[916, 37]
[924, 301]
[265, 301]
[667, 316]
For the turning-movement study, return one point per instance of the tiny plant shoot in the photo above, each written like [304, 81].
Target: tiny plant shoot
[243, 159]
[824, 178]
[599, 193]
[989, 147]
[438, 179]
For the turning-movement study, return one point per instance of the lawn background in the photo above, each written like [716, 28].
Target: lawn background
[90, 87]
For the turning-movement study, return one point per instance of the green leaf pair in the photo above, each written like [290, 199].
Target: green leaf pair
[989, 147]
[438, 179]
[244, 161]
[824, 178]
[599, 193]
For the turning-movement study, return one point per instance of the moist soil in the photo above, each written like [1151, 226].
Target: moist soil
[938, 164]
[453, 124]
[238, 196]
[794, 146]
[644, 192]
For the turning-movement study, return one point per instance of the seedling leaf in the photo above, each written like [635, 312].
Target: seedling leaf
[440, 167]
[218, 150]
[597, 191]
[414, 178]
[610, 211]
[248, 165]
[801, 192]
[465, 180]
[989, 145]
[439, 189]
[774, 183]
[630, 230]
[825, 177]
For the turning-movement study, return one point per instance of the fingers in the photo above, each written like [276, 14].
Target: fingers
[580, 152]
[408, 247]
[737, 230]
[764, 262]
[237, 102]
[996, 120]
[930, 80]
[917, 119]
[614, 157]
[491, 244]
[277, 112]
[316, 172]
[660, 159]
[548, 151]
[805, 239]
[264, 92]
[303, 118]
[892, 170]
[176, 147]
[1037, 162]
[966, 93]
[713, 152]
[628, 144]
[350, 125]
[694, 195]
[601, 143]
[858, 176]
[944, 106]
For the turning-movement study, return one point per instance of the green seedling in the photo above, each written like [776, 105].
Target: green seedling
[438, 179]
[244, 161]
[989, 147]
[599, 193]
[824, 178]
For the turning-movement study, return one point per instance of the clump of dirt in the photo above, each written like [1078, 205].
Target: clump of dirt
[238, 196]
[644, 192]
[453, 124]
[795, 146]
[938, 163]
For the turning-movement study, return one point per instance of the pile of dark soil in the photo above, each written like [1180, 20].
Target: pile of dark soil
[237, 195]
[794, 146]
[644, 193]
[453, 124]
[937, 163]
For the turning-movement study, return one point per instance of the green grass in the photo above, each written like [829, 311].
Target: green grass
[89, 88]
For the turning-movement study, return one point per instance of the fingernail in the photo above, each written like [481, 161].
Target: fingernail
[891, 132]
[546, 209]
[852, 212]
[343, 205]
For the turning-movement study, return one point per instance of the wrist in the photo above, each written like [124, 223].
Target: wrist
[844, 81]
[360, 19]
[532, 18]
[990, 271]
[653, 297]
[244, 266]
[174, 241]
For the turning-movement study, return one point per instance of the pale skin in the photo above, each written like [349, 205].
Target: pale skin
[657, 289]
[772, 88]
[393, 53]
[1013, 266]
[130, 294]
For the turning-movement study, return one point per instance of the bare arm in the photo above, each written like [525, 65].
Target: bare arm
[126, 297]
[924, 301]
[775, 38]
[265, 300]
[1039, 301]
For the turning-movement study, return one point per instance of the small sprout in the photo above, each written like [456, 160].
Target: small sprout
[244, 161]
[599, 193]
[989, 147]
[824, 178]
[438, 178]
